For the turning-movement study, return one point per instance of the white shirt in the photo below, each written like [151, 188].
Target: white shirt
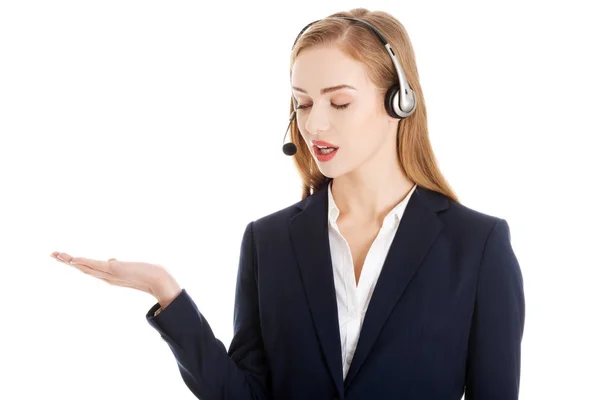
[353, 300]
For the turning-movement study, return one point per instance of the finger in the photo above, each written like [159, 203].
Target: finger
[106, 277]
[64, 257]
[92, 271]
[61, 258]
[100, 266]
[103, 266]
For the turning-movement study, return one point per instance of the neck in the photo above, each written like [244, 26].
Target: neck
[371, 191]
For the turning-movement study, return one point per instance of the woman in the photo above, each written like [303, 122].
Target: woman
[378, 284]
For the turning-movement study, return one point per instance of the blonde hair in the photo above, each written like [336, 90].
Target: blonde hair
[360, 43]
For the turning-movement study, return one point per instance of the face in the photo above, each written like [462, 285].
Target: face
[340, 108]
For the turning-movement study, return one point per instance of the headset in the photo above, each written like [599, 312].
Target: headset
[400, 100]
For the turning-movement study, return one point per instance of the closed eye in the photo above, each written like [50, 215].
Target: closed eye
[336, 106]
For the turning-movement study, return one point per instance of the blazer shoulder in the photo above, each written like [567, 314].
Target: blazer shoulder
[278, 219]
[468, 220]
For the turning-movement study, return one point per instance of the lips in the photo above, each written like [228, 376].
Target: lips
[322, 144]
[324, 151]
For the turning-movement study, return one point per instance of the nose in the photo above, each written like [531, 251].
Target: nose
[316, 120]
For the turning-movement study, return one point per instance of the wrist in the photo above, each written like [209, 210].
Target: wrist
[166, 290]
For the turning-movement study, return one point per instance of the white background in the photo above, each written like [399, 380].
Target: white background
[151, 131]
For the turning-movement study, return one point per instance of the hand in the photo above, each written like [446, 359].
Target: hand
[149, 278]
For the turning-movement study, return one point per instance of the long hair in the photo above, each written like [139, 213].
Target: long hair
[357, 41]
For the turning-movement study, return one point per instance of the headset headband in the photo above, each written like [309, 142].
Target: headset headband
[400, 102]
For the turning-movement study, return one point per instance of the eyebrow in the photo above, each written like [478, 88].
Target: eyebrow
[327, 89]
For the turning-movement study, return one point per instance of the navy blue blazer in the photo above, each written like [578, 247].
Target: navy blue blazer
[446, 316]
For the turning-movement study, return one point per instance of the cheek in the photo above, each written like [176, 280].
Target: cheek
[304, 136]
[364, 137]
[356, 127]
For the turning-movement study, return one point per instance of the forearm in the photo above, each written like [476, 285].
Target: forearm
[208, 369]
[205, 366]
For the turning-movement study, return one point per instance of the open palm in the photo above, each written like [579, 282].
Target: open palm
[137, 275]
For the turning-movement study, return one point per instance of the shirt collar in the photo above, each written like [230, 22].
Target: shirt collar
[397, 211]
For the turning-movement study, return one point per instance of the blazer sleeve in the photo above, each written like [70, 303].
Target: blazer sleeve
[494, 355]
[207, 368]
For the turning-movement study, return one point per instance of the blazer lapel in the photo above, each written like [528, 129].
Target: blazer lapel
[310, 237]
[418, 229]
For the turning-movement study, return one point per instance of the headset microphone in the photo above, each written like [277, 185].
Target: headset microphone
[289, 149]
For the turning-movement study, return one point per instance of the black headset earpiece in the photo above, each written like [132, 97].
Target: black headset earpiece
[400, 101]
[391, 98]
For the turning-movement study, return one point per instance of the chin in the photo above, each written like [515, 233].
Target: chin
[335, 167]
[332, 171]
